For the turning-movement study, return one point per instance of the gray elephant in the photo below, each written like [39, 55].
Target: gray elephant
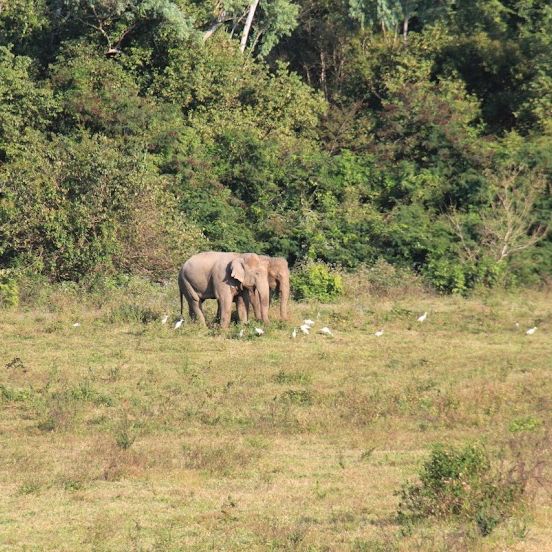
[223, 276]
[278, 280]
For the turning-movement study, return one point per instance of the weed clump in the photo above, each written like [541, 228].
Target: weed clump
[461, 484]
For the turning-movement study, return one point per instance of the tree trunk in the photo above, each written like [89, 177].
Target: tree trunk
[323, 72]
[248, 23]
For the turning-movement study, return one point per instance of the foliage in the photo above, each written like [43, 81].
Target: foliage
[76, 207]
[136, 132]
[316, 281]
[24, 103]
[460, 483]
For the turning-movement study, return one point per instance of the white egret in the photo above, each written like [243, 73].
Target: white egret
[325, 330]
[294, 333]
[422, 317]
[76, 325]
[305, 328]
[379, 333]
[242, 331]
[259, 331]
[178, 323]
[164, 319]
[531, 331]
[308, 322]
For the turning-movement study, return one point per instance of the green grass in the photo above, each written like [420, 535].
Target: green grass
[123, 434]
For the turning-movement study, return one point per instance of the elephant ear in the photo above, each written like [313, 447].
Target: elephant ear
[237, 270]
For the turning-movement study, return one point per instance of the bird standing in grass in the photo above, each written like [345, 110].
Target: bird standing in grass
[422, 317]
[259, 331]
[164, 319]
[76, 325]
[305, 328]
[379, 333]
[531, 331]
[325, 331]
[178, 323]
[241, 333]
[308, 322]
[294, 333]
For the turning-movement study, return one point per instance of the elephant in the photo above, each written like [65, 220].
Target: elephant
[278, 279]
[223, 276]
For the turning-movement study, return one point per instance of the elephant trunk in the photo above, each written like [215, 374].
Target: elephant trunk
[284, 296]
[264, 299]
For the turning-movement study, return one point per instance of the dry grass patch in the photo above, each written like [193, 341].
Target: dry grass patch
[124, 434]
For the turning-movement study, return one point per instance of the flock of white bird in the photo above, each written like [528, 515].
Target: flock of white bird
[308, 325]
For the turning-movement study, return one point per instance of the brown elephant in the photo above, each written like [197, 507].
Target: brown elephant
[223, 276]
[278, 280]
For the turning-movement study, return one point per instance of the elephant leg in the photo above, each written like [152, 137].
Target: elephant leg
[194, 307]
[196, 313]
[242, 308]
[225, 308]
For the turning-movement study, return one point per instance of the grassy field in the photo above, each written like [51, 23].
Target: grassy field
[124, 434]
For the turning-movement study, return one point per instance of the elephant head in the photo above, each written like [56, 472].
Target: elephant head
[252, 273]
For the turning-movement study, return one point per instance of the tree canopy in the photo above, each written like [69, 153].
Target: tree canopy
[135, 132]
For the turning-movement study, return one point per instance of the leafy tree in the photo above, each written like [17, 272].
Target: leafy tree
[24, 102]
[112, 21]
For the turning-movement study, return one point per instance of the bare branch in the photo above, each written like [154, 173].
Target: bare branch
[509, 225]
[248, 23]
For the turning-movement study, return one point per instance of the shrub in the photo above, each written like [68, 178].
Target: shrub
[316, 281]
[446, 276]
[9, 289]
[460, 483]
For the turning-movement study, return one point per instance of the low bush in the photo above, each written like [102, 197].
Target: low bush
[9, 289]
[316, 281]
[461, 483]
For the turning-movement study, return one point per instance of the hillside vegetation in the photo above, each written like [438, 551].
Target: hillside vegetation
[135, 132]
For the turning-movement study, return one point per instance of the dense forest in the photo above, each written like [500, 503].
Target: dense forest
[136, 132]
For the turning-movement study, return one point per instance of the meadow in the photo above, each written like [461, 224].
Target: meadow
[125, 434]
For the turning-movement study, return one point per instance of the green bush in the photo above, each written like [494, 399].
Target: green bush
[9, 289]
[316, 281]
[446, 276]
[460, 483]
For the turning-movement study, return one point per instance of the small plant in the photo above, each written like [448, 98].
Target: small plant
[125, 433]
[460, 483]
[284, 377]
[316, 281]
[527, 423]
[301, 397]
[29, 487]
